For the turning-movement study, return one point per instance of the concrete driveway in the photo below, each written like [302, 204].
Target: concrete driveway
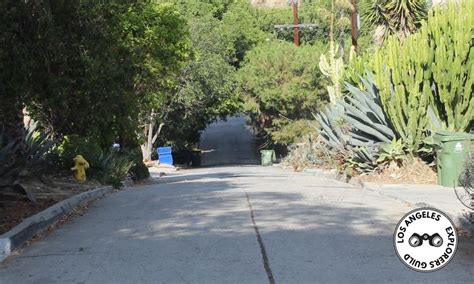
[234, 224]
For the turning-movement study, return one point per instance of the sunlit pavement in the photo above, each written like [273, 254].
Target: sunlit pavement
[231, 224]
[197, 228]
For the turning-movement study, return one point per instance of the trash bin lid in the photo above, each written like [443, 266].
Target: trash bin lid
[446, 136]
[164, 150]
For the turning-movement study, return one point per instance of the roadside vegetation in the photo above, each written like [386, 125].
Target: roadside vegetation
[112, 80]
[414, 82]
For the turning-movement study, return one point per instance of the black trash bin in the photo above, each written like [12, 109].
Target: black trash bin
[196, 158]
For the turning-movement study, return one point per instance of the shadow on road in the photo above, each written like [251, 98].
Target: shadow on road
[229, 142]
[197, 229]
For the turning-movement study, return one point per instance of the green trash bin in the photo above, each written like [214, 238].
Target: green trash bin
[452, 154]
[268, 157]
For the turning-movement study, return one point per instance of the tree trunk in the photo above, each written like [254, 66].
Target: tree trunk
[147, 147]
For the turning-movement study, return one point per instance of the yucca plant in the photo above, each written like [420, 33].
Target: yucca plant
[394, 17]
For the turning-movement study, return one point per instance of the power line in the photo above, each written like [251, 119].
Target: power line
[293, 25]
[296, 25]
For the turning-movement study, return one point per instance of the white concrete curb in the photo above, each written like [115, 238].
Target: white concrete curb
[37, 223]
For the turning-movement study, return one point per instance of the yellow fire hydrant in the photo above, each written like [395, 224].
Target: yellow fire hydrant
[80, 166]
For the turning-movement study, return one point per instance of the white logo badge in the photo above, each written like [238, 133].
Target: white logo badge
[425, 239]
[458, 148]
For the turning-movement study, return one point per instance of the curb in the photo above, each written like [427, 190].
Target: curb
[459, 219]
[37, 223]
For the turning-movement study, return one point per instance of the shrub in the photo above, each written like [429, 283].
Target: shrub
[113, 168]
[108, 166]
[310, 152]
[138, 171]
[392, 152]
[73, 145]
[23, 158]
[430, 71]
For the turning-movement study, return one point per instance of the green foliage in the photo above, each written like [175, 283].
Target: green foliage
[23, 158]
[112, 168]
[282, 84]
[394, 17]
[451, 60]
[74, 145]
[364, 112]
[332, 66]
[356, 120]
[393, 152]
[426, 79]
[285, 132]
[87, 68]
[335, 133]
[248, 26]
[333, 130]
[355, 126]
[138, 171]
[203, 90]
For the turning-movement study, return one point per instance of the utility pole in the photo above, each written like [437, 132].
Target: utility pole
[354, 28]
[296, 25]
[296, 35]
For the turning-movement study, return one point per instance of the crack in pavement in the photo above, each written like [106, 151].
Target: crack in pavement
[263, 252]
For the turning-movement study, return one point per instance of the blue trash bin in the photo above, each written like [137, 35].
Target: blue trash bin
[164, 155]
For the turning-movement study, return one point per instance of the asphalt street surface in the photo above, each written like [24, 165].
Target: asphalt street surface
[231, 224]
[229, 142]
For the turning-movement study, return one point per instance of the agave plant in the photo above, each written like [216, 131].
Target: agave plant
[332, 131]
[356, 126]
[112, 168]
[364, 112]
[21, 159]
[393, 152]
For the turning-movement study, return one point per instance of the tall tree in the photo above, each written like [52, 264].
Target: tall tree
[283, 86]
[87, 68]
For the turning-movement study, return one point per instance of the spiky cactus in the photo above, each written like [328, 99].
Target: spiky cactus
[332, 66]
[452, 67]
[404, 88]
[427, 78]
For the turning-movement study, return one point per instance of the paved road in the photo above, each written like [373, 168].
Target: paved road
[228, 142]
[196, 227]
[235, 224]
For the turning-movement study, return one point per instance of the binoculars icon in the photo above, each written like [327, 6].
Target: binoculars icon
[434, 240]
